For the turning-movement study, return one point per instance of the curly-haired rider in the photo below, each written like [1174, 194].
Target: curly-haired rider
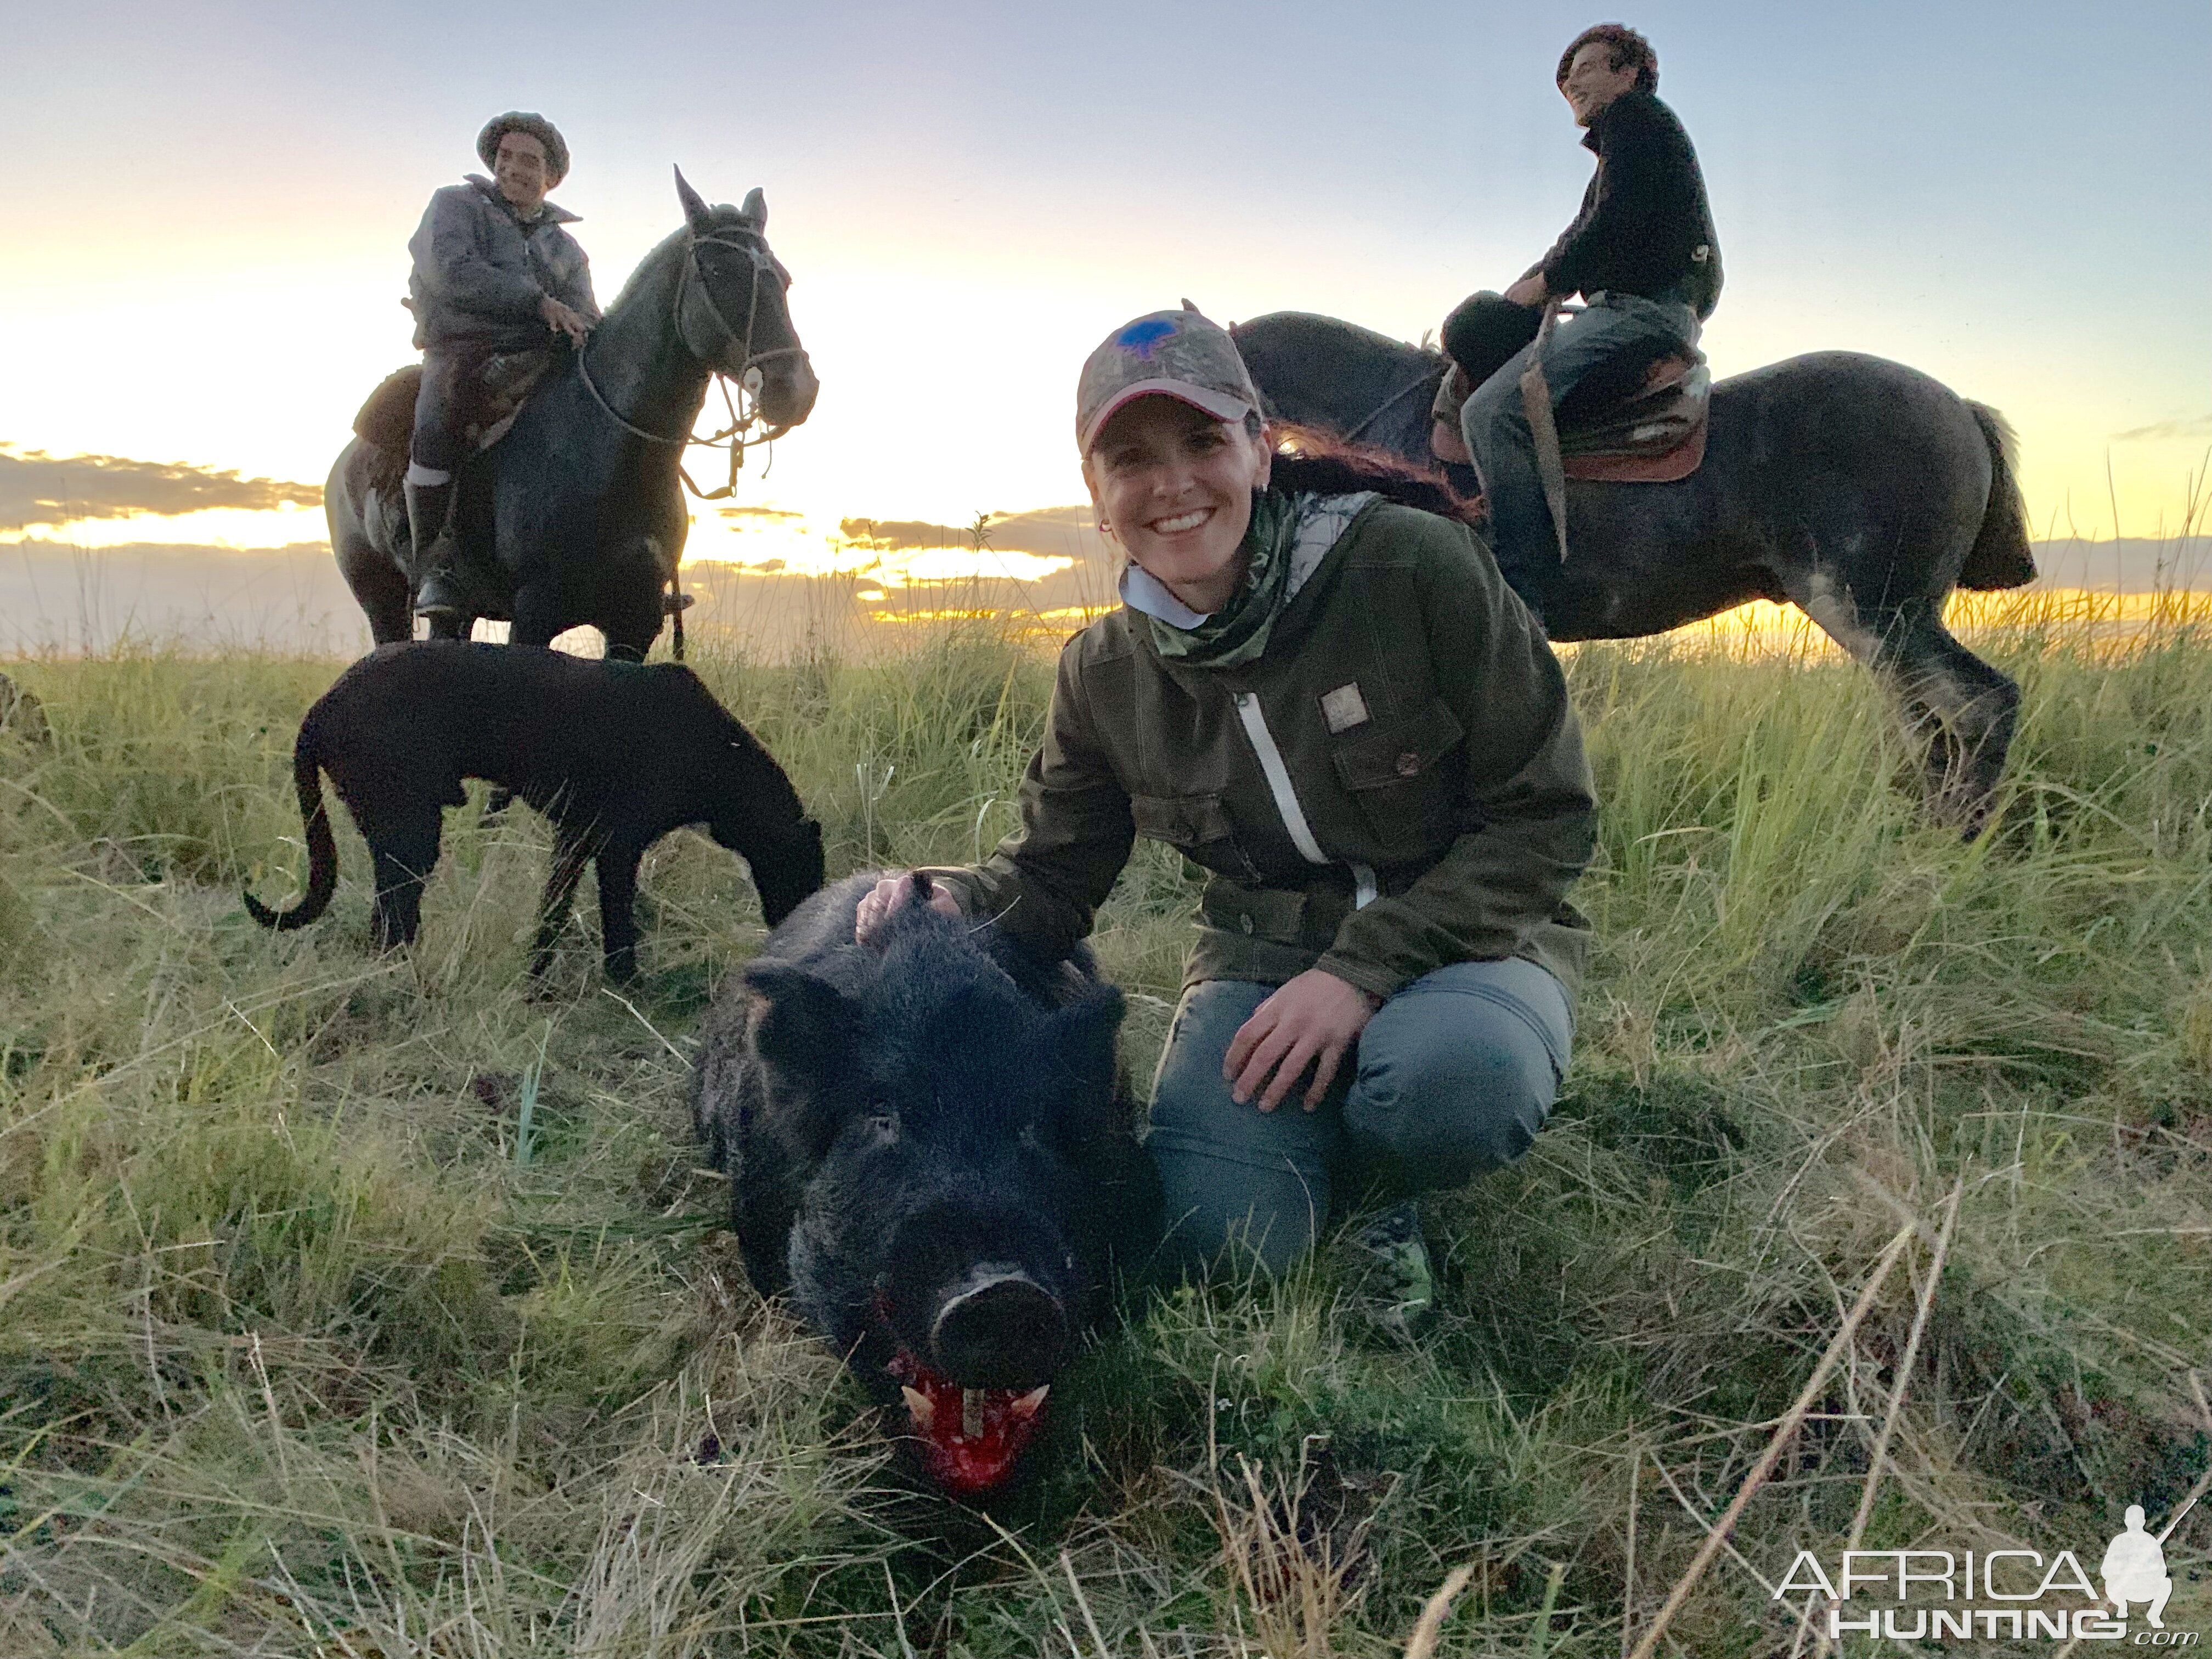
[1641, 254]
[495, 272]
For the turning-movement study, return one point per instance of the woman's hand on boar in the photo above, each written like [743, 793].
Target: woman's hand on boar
[1311, 1021]
[880, 903]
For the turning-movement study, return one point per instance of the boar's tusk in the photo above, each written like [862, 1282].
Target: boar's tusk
[919, 1406]
[1031, 1403]
[971, 1413]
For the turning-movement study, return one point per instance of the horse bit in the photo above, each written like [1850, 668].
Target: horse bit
[743, 409]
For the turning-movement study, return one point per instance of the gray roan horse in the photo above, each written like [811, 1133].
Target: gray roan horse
[579, 507]
[1858, 490]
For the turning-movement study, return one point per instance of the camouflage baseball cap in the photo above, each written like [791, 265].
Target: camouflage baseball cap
[1178, 353]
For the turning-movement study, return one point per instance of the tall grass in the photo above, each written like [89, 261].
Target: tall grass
[310, 1343]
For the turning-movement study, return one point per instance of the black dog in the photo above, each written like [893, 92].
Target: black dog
[617, 753]
[931, 1150]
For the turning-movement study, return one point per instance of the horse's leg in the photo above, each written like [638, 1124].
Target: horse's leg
[379, 585]
[383, 594]
[631, 623]
[1957, 708]
[1966, 709]
[537, 615]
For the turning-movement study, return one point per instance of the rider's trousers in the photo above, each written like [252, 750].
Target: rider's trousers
[1613, 328]
[444, 407]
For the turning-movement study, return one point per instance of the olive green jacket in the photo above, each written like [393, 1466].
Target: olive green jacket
[1423, 757]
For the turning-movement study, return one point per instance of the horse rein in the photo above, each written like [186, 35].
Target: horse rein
[742, 410]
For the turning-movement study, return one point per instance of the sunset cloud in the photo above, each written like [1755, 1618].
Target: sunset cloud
[2200, 426]
[38, 488]
[1052, 533]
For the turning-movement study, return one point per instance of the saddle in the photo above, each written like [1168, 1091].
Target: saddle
[1655, 436]
[1646, 425]
[387, 422]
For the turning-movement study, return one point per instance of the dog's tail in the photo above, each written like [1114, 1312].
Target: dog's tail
[322, 846]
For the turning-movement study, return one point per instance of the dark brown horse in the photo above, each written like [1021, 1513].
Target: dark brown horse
[577, 516]
[1859, 491]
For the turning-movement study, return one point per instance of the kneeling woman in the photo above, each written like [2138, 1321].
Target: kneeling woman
[1333, 703]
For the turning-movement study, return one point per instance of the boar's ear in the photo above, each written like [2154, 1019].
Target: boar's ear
[804, 1025]
[1081, 1036]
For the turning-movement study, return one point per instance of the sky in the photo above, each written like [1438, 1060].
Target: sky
[207, 209]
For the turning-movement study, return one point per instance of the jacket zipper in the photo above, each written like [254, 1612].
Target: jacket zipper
[1286, 799]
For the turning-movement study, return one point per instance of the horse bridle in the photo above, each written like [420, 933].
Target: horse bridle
[743, 409]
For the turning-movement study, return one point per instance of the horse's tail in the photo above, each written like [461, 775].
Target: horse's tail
[322, 846]
[2000, 557]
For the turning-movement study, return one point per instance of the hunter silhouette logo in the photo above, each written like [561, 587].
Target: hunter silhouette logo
[1933, 1593]
[2134, 1569]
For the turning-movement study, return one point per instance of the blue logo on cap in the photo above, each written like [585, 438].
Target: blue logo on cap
[1141, 337]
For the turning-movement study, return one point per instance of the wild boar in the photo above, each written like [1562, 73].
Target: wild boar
[617, 753]
[932, 1152]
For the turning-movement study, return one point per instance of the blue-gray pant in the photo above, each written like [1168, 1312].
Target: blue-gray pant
[1612, 328]
[1454, 1075]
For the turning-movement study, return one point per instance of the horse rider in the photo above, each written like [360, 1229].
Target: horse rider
[1641, 253]
[494, 272]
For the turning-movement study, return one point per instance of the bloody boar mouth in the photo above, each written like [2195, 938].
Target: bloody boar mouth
[969, 1438]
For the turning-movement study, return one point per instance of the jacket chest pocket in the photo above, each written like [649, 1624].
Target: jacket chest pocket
[1397, 774]
[1197, 826]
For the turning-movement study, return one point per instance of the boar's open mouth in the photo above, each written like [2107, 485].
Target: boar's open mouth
[973, 1406]
[970, 1438]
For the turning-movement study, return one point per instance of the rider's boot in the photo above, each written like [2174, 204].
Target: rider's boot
[429, 524]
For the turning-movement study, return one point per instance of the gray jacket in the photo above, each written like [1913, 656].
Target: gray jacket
[481, 271]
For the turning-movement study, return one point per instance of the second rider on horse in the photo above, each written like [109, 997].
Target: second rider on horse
[1641, 253]
[494, 272]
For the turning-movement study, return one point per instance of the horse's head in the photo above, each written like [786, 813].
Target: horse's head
[733, 310]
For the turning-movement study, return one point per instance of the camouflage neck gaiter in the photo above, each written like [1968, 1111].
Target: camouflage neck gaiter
[1238, 633]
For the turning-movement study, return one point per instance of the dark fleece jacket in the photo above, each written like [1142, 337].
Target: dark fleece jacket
[1644, 227]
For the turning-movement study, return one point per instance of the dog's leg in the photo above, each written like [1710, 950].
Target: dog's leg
[404, 857]
[570, 851]
[617, 863]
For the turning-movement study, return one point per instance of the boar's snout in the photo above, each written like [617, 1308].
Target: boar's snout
[997, 1328]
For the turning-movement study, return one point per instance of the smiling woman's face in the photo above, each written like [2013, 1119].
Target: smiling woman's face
[1174, 486]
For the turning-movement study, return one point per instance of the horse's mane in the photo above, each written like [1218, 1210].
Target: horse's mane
[1308, 459]
[723, 216]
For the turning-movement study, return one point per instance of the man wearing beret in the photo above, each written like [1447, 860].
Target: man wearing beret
[495, 272]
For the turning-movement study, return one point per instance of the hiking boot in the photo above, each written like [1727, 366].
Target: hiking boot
[1397, 1292]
